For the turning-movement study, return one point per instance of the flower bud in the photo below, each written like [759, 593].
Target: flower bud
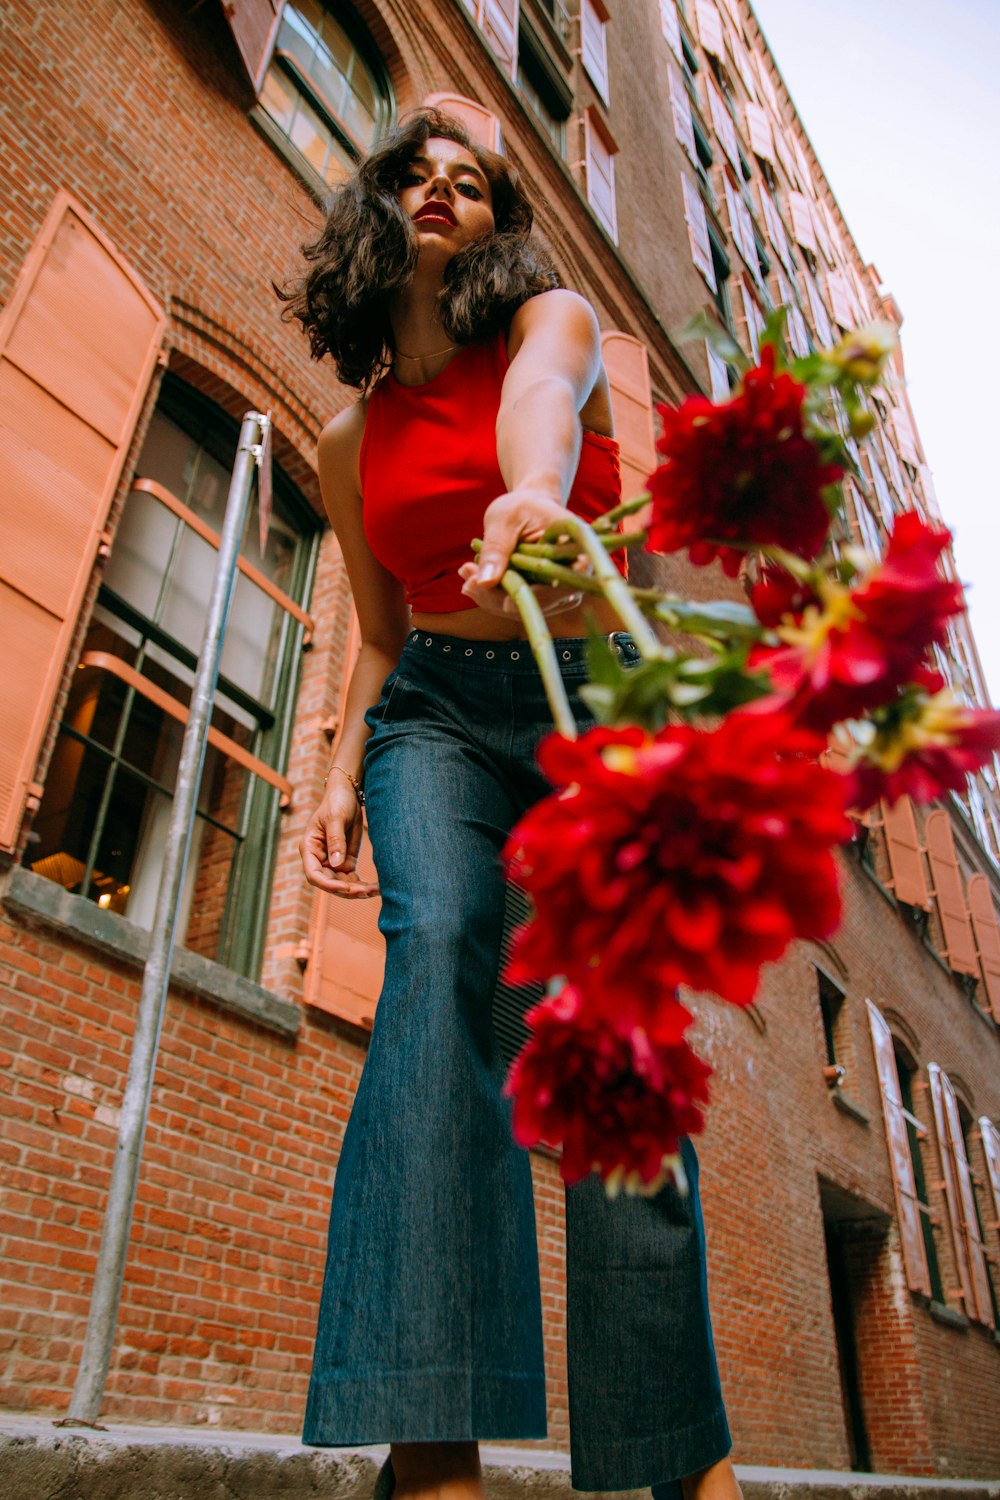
[861, 422]
[862, 355]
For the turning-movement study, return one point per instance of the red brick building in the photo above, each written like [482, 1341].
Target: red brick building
[162, 162]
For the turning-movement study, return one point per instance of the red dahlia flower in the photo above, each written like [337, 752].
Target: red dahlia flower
[743, 471]
[850, 651]
[690, 858]
[930, 747]
[617, 1103]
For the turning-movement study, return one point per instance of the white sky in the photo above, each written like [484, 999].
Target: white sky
[901, 101]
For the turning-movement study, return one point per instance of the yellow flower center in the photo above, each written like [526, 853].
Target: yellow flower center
[936, 726]
[835, 611]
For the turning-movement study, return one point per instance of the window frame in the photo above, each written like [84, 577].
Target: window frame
[256, 827]
[360, 40]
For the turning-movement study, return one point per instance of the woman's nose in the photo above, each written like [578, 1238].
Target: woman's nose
[440, 186]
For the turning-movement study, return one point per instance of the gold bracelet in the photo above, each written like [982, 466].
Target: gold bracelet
[355, 783]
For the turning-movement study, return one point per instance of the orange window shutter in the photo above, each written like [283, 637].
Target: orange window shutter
[991, 1150]
[498, 18]
[905, 438]
[481, 123]
[710, 27]
[975, 1249]
[627, 364]
[346, 949]
[802, 221]
[906, 854]
[759, 130]
[958, 1195]
[78, 344]
[900, 1162]
[946, 873]
[254, 24]
[987, 934]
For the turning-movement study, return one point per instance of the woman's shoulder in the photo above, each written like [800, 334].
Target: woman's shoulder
[344, 430]
[558, 309]
[339, 450]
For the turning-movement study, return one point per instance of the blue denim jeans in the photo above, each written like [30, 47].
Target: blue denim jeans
[430, 1323]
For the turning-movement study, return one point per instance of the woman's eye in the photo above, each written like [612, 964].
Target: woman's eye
[468, 190]
[410, 179]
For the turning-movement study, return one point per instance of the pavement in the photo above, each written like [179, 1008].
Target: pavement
[42, 1461]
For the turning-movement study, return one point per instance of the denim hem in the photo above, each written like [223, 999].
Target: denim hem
[417, 1406]
[660, 1460]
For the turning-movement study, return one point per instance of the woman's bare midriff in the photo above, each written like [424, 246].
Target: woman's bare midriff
[477, 624]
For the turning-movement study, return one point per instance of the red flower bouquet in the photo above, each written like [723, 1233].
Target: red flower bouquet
[742, 472]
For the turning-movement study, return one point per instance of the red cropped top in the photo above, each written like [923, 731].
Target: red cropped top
[429, 469]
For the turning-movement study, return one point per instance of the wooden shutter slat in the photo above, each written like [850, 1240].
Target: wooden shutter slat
[906, 854]
[960, 947]
[78, 344]
[987, 934]
[680, 109]
[905, 439]
[627, 363]
[254, 25]
[346, 950]
[900, 1162]
[671, 27]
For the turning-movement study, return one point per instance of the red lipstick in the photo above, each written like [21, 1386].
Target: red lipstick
[435, 209]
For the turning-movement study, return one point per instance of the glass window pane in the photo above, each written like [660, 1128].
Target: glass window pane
[182, 613]
[336, 43]
[358, 119]
[166, 455]
[142, 550]
[278, 97]
[310, 136]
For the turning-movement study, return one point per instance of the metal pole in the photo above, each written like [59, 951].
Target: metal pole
[102, 1319]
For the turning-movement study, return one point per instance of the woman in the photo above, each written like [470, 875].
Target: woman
[486, 408]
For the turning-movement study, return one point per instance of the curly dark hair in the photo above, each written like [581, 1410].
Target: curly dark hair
[368, 249]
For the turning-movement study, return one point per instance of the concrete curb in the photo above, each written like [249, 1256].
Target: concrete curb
[39, 1461]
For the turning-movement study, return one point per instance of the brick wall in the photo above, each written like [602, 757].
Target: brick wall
[141, 110]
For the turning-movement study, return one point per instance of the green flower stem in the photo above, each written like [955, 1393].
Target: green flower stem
[662, 607]
[613, 586]
[626, 508]
[558, 551]
[540, 641]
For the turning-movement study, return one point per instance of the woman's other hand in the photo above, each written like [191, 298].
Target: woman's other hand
[331, 842]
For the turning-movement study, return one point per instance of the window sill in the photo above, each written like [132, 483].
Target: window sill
[36, 899]
[947, 1315]
[854, 1111]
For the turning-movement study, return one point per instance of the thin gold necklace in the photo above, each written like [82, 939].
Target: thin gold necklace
[400, 355]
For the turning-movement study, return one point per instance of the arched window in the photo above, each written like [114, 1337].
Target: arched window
[101, 826]
[325, 98]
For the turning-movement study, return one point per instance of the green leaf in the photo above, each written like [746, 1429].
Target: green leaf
[701, 326]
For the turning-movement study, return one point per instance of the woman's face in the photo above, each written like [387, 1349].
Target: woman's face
[447, 197]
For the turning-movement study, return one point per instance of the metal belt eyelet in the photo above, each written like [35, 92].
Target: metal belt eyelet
[567, 655]
[515, 656]
[469, 651]
[428, 642]
[490, 655]
[445, 648]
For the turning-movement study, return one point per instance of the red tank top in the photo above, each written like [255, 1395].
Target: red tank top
[429, 469]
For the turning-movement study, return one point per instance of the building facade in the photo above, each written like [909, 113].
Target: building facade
[162, 164]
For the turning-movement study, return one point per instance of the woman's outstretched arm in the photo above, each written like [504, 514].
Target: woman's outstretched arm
[555, 365]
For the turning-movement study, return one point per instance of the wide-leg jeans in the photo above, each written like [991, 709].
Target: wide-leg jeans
[430, 1323]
